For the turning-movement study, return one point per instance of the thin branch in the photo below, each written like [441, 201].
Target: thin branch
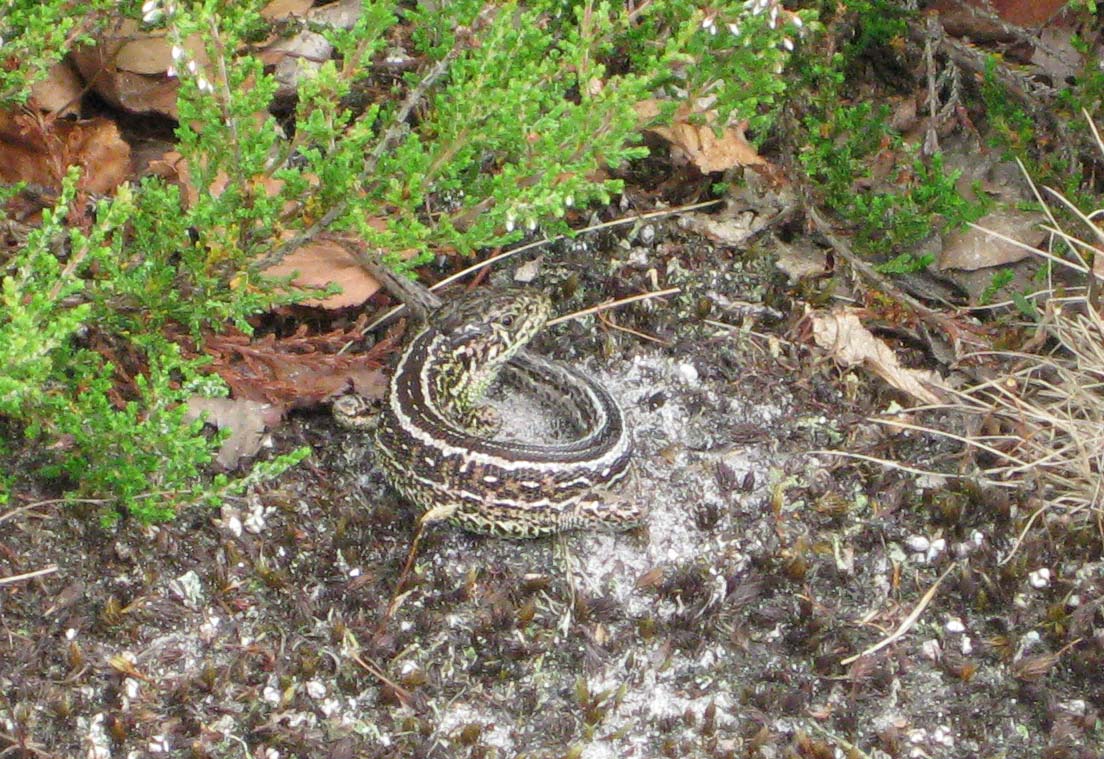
[387, 278]
[11, 579]
[596, 228]
[614, 304]
[394, 131]
[879, 280]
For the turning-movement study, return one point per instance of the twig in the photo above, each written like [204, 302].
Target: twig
[372, 269]
[10, 579]
[851, 748]
[931, 316]
[907, 624]
[615, 304]
[585, 230]
[888, 464]
[402, 693]
[397, 127]
[630, 331]
[1023, 534]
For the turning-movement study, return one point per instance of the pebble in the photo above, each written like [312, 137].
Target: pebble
[1040, 578]
[917, 543]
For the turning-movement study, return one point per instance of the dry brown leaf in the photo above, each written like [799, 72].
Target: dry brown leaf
[730, 227]
[321, 263]
[708, 151]
[290, 57]
[40, 150]
[851, 344]
[247, 421]
[300, 370]
[972, 248]
[1024, 12]
[128, 68]
[278, 10]
[59, 92]
[699, 142]
[316, 264]
[171, 166]
[800, 260]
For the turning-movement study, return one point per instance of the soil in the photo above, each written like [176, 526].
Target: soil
[732, 625]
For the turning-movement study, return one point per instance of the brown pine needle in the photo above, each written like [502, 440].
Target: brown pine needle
[11, 579]
[908, 622]
[615, 304]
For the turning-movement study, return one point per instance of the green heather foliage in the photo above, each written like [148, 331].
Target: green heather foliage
[536, 100]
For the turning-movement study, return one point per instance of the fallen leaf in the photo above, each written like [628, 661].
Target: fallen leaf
[842, 335]
[976, 248]
[59, 92]
[278, 10]
[800, 260]
[322, 263]
[247, 421]
[316, 264]
[708, 148]
[528, 271]
[981, 26]
[708, 151]
[299, 370]
[129, 67]
[732, 229]
[39, 150]
[307, 50]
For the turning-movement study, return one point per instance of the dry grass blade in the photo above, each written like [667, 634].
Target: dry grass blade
[28, 575]
[1045, 415]
[615, 304]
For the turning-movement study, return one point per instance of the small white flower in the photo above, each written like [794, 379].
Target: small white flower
[192, 67]
[153, 16]
[788, 44]
[170, 72]
[734, 30]
[797, 21]
[177, 53]
[569, 201]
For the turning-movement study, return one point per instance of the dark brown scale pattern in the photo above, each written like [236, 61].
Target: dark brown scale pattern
[430, 449]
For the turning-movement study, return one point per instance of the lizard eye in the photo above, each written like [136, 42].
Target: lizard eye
[508, 320]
